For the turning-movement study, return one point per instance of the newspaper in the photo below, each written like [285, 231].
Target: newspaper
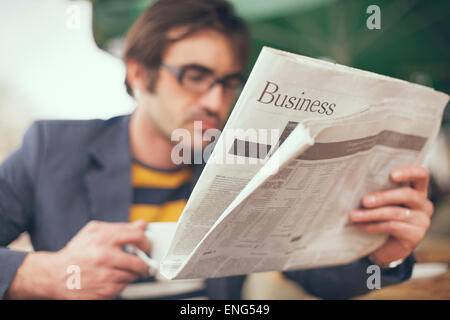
[334, 135]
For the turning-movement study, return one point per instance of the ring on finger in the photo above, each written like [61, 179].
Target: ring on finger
[407, 213]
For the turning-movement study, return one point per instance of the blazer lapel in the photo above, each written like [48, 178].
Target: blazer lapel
[108, 179]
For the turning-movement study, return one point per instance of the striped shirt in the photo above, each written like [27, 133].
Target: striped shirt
[160, 196]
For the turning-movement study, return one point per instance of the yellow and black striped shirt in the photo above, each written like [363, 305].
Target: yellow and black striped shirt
[160, 196]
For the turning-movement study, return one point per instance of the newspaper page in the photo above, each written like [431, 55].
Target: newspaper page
[324, 136]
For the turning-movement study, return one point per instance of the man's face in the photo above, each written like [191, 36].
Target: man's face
[175, 105]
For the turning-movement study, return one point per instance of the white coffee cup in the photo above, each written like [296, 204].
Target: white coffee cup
[160, 235]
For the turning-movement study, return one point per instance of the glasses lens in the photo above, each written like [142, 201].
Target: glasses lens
[233, 82]
[197, 79]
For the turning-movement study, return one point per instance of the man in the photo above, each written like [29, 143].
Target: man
[76, 185]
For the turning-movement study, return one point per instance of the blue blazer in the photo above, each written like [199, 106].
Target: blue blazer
[68, 172]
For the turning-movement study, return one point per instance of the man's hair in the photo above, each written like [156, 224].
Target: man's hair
[148, 38]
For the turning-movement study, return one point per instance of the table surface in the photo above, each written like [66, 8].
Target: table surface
[273, 286]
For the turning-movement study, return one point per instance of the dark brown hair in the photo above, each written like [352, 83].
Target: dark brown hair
[148, 39]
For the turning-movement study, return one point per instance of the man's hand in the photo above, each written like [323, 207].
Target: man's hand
[387, 212]
[97, 250]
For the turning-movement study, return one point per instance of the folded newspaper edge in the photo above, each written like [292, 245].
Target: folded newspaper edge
[297, 142]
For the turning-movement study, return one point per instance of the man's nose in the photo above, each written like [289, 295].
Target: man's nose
[214, 98]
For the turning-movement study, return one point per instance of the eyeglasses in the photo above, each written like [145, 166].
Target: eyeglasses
[200, 79]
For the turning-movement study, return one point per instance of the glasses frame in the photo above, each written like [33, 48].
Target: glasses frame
[180, 71]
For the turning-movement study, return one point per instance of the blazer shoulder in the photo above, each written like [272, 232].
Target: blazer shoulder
[73, 131]
[48, 141]
[76, 125]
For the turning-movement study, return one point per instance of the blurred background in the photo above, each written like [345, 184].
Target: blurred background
[62, 59]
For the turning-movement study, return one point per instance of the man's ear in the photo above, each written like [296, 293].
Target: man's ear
[136, 75]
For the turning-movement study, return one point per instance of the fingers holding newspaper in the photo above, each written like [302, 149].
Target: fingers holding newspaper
[404, 213]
